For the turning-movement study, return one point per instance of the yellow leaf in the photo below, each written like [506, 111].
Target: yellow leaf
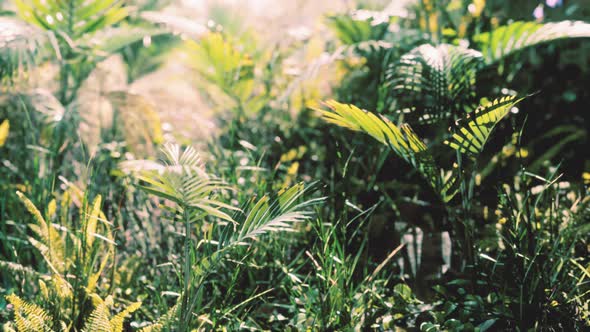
[4, 127]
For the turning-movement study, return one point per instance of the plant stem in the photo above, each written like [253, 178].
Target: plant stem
[184, 314]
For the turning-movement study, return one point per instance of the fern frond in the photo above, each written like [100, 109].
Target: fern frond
[93, 279]
[117, 320]
[512, 38]
[50, 244]
[91, 219]
[29, 317]
[470, 133]
[164, 322]
[99, 320]
[431, 83]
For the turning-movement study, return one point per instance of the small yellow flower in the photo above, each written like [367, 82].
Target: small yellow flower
[554, 303]
[524, 153]
[586, 177]
[502, 221]
[508, 150]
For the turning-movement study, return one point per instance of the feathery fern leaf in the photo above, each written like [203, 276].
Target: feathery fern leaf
[509, 39]
[164, 322]
[117, 320]
[99, 320]
[432, 83]
[50, 244]
[29, 317]
[472, 131]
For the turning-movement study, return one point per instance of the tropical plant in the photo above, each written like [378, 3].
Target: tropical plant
[184, 182]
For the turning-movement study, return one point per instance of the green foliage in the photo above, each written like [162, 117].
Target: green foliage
[183, 181]
[432, 83]
[67, 252]
[360, 26]
[226, 71]
[234, 237]
[70, 17]
[28, 316]
[402, 140]
[20, 49]
[473, 130]
[506, 40]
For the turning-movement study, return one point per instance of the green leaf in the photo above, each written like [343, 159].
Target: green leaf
[432, 83]
[110, 40]
[269, 215]
[220, 63]
[21, 46]
[359, 26]
[470, 134]
[70, 17]
[509, 39]
[402, 140]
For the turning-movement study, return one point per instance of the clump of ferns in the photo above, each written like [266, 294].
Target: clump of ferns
[76, 247]
[213, 229]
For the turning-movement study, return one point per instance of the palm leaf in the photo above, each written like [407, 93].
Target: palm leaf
[359, 26]
[112, 39]
[431, 83]
[218, 61]
[270, 214]
[470, 133]
[20, 47]
[175, 23]
[70, 16]
[182, 180]
[402, 140]
[509, 39]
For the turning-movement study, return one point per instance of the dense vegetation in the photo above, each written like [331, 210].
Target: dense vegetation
[421, 167]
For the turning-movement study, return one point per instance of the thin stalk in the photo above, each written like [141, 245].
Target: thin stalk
[184, 314]
[466, 196]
